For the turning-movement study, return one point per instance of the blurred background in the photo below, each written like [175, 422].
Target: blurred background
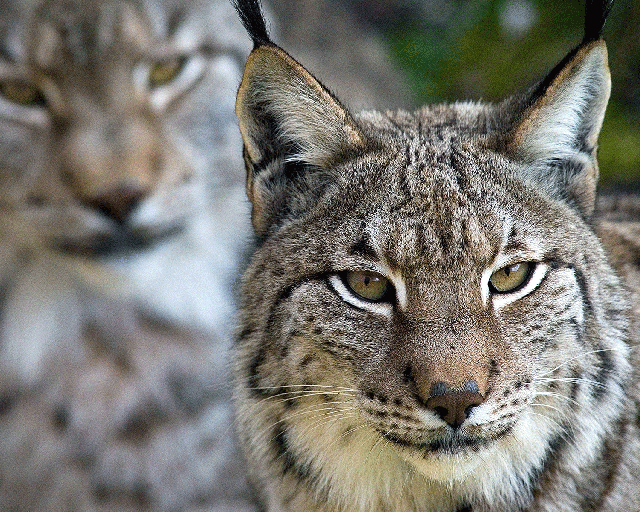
[448, 50]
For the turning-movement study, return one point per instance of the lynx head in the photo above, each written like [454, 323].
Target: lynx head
[427, 296]
[107, 142]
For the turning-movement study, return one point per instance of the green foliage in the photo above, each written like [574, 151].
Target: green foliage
[476, 54]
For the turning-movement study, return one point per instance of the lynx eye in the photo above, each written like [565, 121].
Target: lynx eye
[511, 278]
[23, 93]
[368, 285]
[164, 72]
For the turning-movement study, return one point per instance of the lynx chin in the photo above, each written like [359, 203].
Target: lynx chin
[430, 321]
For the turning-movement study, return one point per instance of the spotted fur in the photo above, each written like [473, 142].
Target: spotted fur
[444, 394]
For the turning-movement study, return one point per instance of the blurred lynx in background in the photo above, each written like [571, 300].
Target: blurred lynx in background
[122, 223]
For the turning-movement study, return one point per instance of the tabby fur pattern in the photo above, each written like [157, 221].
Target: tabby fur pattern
[430, 321]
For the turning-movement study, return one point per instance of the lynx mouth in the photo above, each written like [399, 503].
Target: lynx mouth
[118, 242]
[453, 443]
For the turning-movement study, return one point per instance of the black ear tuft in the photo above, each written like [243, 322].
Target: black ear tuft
[556, 133]
[596, 12]
[252, 17]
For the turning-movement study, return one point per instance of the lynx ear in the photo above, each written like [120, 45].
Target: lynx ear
[292, 128]
[557, 134]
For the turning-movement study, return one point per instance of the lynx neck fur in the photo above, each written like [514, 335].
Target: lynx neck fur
[431, 322]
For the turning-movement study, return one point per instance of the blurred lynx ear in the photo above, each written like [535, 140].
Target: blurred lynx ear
[557, 133]
[292, 128]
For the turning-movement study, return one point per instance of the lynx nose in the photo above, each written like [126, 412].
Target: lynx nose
[454, 405]
[118, 203]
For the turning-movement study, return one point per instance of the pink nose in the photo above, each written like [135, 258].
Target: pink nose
[454, 405]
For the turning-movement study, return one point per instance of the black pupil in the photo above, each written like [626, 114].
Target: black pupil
[513, 268]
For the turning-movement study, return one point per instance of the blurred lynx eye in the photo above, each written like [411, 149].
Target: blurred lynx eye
[511, 277]
[23, 93]
[164, 72]
[368, 285]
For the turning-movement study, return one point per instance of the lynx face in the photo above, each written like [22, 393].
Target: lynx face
[101, 146]
[440, 320]
[429, 322]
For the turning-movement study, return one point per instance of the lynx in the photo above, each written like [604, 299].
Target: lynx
[430, 321]
[122, 217]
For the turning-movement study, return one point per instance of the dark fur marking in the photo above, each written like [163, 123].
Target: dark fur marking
[552, 455]
[364, 248]
[407, 375]
[584, 290]
[176, 19]
[290, 403]
[347, 434]
[291, 465]
[60, 417]
[254, 379]
[494, 369]
[575, 385]
[402, 417]
[281, 446]
[607, 463]
[450, 446]
[189, 392]
[245, 333]
[101, 492]
[140, 424]
[141, 495]
[284, 294]
[446, 446]
[333, 350]
[7, 402]
[306, 360]
[605, 370]
[596, 13]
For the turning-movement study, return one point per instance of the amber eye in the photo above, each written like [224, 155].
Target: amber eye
[511, 277]
[368, 285]
[164, 72]
[23, 93]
